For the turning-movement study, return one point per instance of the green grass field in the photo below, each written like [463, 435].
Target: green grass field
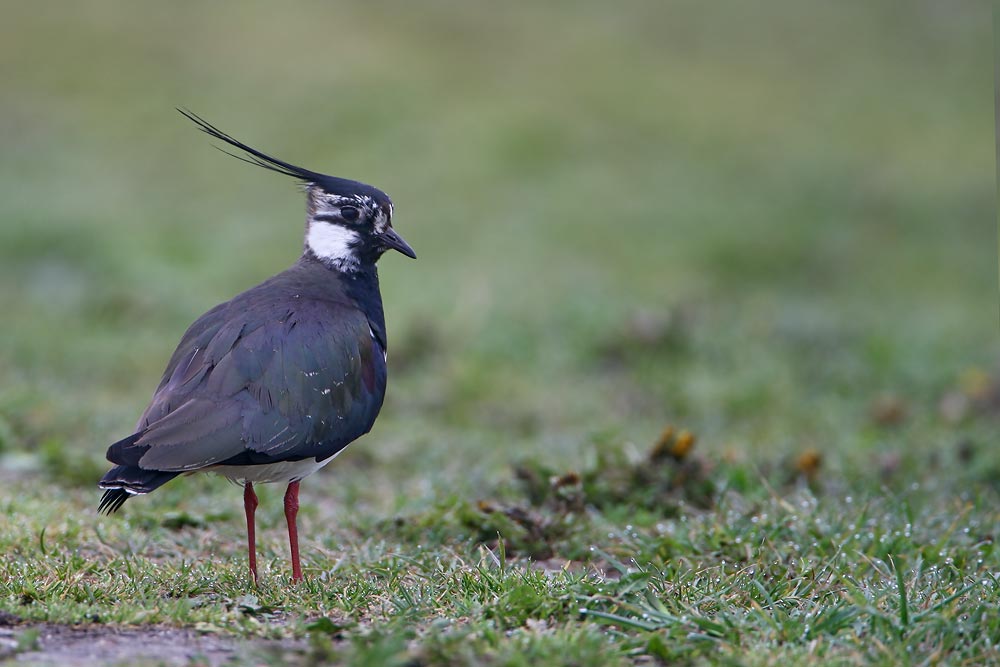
[772, 226]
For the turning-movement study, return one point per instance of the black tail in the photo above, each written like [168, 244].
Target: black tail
[112, 500]
[122, 482]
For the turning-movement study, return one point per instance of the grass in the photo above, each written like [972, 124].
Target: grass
[794, 576]
[773, 227]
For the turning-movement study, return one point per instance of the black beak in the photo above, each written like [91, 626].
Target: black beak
[393, 240]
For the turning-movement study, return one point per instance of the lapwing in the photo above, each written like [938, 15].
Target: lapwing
[271, 385]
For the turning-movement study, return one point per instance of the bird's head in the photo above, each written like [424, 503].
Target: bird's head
[348, 227]
[348, 224]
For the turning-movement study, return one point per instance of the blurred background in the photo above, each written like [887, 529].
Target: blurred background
[772, 224]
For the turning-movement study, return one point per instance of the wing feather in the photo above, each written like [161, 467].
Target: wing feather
[252, 387]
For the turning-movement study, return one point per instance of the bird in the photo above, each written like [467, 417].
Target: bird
[273, 384]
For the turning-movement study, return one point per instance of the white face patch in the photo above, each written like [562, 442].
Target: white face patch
[332, 244]
[381, 221]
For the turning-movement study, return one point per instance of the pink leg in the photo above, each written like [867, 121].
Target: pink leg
[291, 510]
[250, 506]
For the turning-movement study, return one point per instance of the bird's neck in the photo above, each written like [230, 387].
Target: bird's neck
[360, 285]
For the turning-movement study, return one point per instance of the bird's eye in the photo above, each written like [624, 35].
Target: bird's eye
[349, 213]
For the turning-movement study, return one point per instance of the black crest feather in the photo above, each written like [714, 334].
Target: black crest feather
[331, 184]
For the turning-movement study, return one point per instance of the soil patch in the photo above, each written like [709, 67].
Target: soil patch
[96, 645]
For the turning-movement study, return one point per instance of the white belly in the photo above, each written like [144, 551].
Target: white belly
[282, 471]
